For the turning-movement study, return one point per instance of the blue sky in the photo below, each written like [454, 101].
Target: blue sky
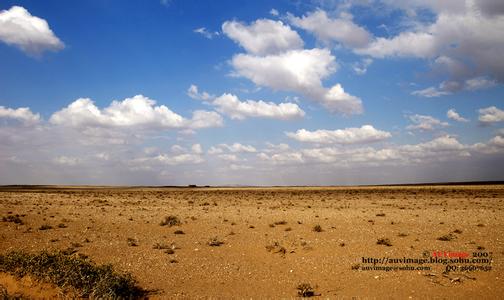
[251, 92]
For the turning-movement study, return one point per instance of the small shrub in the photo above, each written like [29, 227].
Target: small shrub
[14, 219]
[62, 225]
[384, 241]
[170, 221]
[380, 215]
[88, 280]
[317, 228]
[447, 237]
[215, 242]
[305, 290]
[45, 227]
[132, 242]
[160, 246]
[178, 232]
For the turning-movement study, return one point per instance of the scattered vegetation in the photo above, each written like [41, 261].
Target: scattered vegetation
[62, 225]
[380, 215]
[447, 237]
[317, 228]
[14, 219]
[170, 221]
[178, 232]
[132, 242]
[82, 276]
[45, 227]
[215, 242]
[276, 247]
[305, 290]
[384, 241]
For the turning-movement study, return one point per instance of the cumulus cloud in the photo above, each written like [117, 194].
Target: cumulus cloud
[179, 156]
[364, 134]
[490, 115]
[342, 30]
[263, 36]
[231, 105]
[452, 114]
[193, 92]
[464, 34]
[439, 149]
[29, 33]
[22, 114]
[300, 71]
[234, 148]
[138, 111]
[451, 86]
[425, 123]
[430, 92]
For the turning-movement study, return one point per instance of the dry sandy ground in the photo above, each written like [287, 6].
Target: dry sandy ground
[261, 259]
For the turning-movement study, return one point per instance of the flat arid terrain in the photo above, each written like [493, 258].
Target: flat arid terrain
[399, 242]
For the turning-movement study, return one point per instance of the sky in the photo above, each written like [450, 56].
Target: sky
[287, 92]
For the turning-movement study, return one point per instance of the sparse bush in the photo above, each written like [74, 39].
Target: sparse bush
[170, 221]
[305, 290]
[160, 246]
[45, 227]
[380, 215]
[86, 278]
[132, 242]
[384, 241]
[447, 237]
[276, 248]
[178, 232]
[62, 225]
[215, 242]
[317, 228]
[14, 219]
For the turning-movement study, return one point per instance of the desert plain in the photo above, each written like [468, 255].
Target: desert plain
[222, 243]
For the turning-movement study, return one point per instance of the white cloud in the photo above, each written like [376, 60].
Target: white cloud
[417, 44]
[440, 149]
[193, 92]
[196, 148]
[342, 29]
[67, 161]
[228, 157]
[491, 115]
[364, 134]
[230, 105]
[22, 114]
[466, 35]
[274, 12]
[204, 119]
[138, 111]
[452, 114]
[451, 86]
[263, 37]
[204, 32]
[234, 148]
[430, 92]
[300, 71]
[479, 83]
[360, 68]
[425, 123]
[29, 33]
